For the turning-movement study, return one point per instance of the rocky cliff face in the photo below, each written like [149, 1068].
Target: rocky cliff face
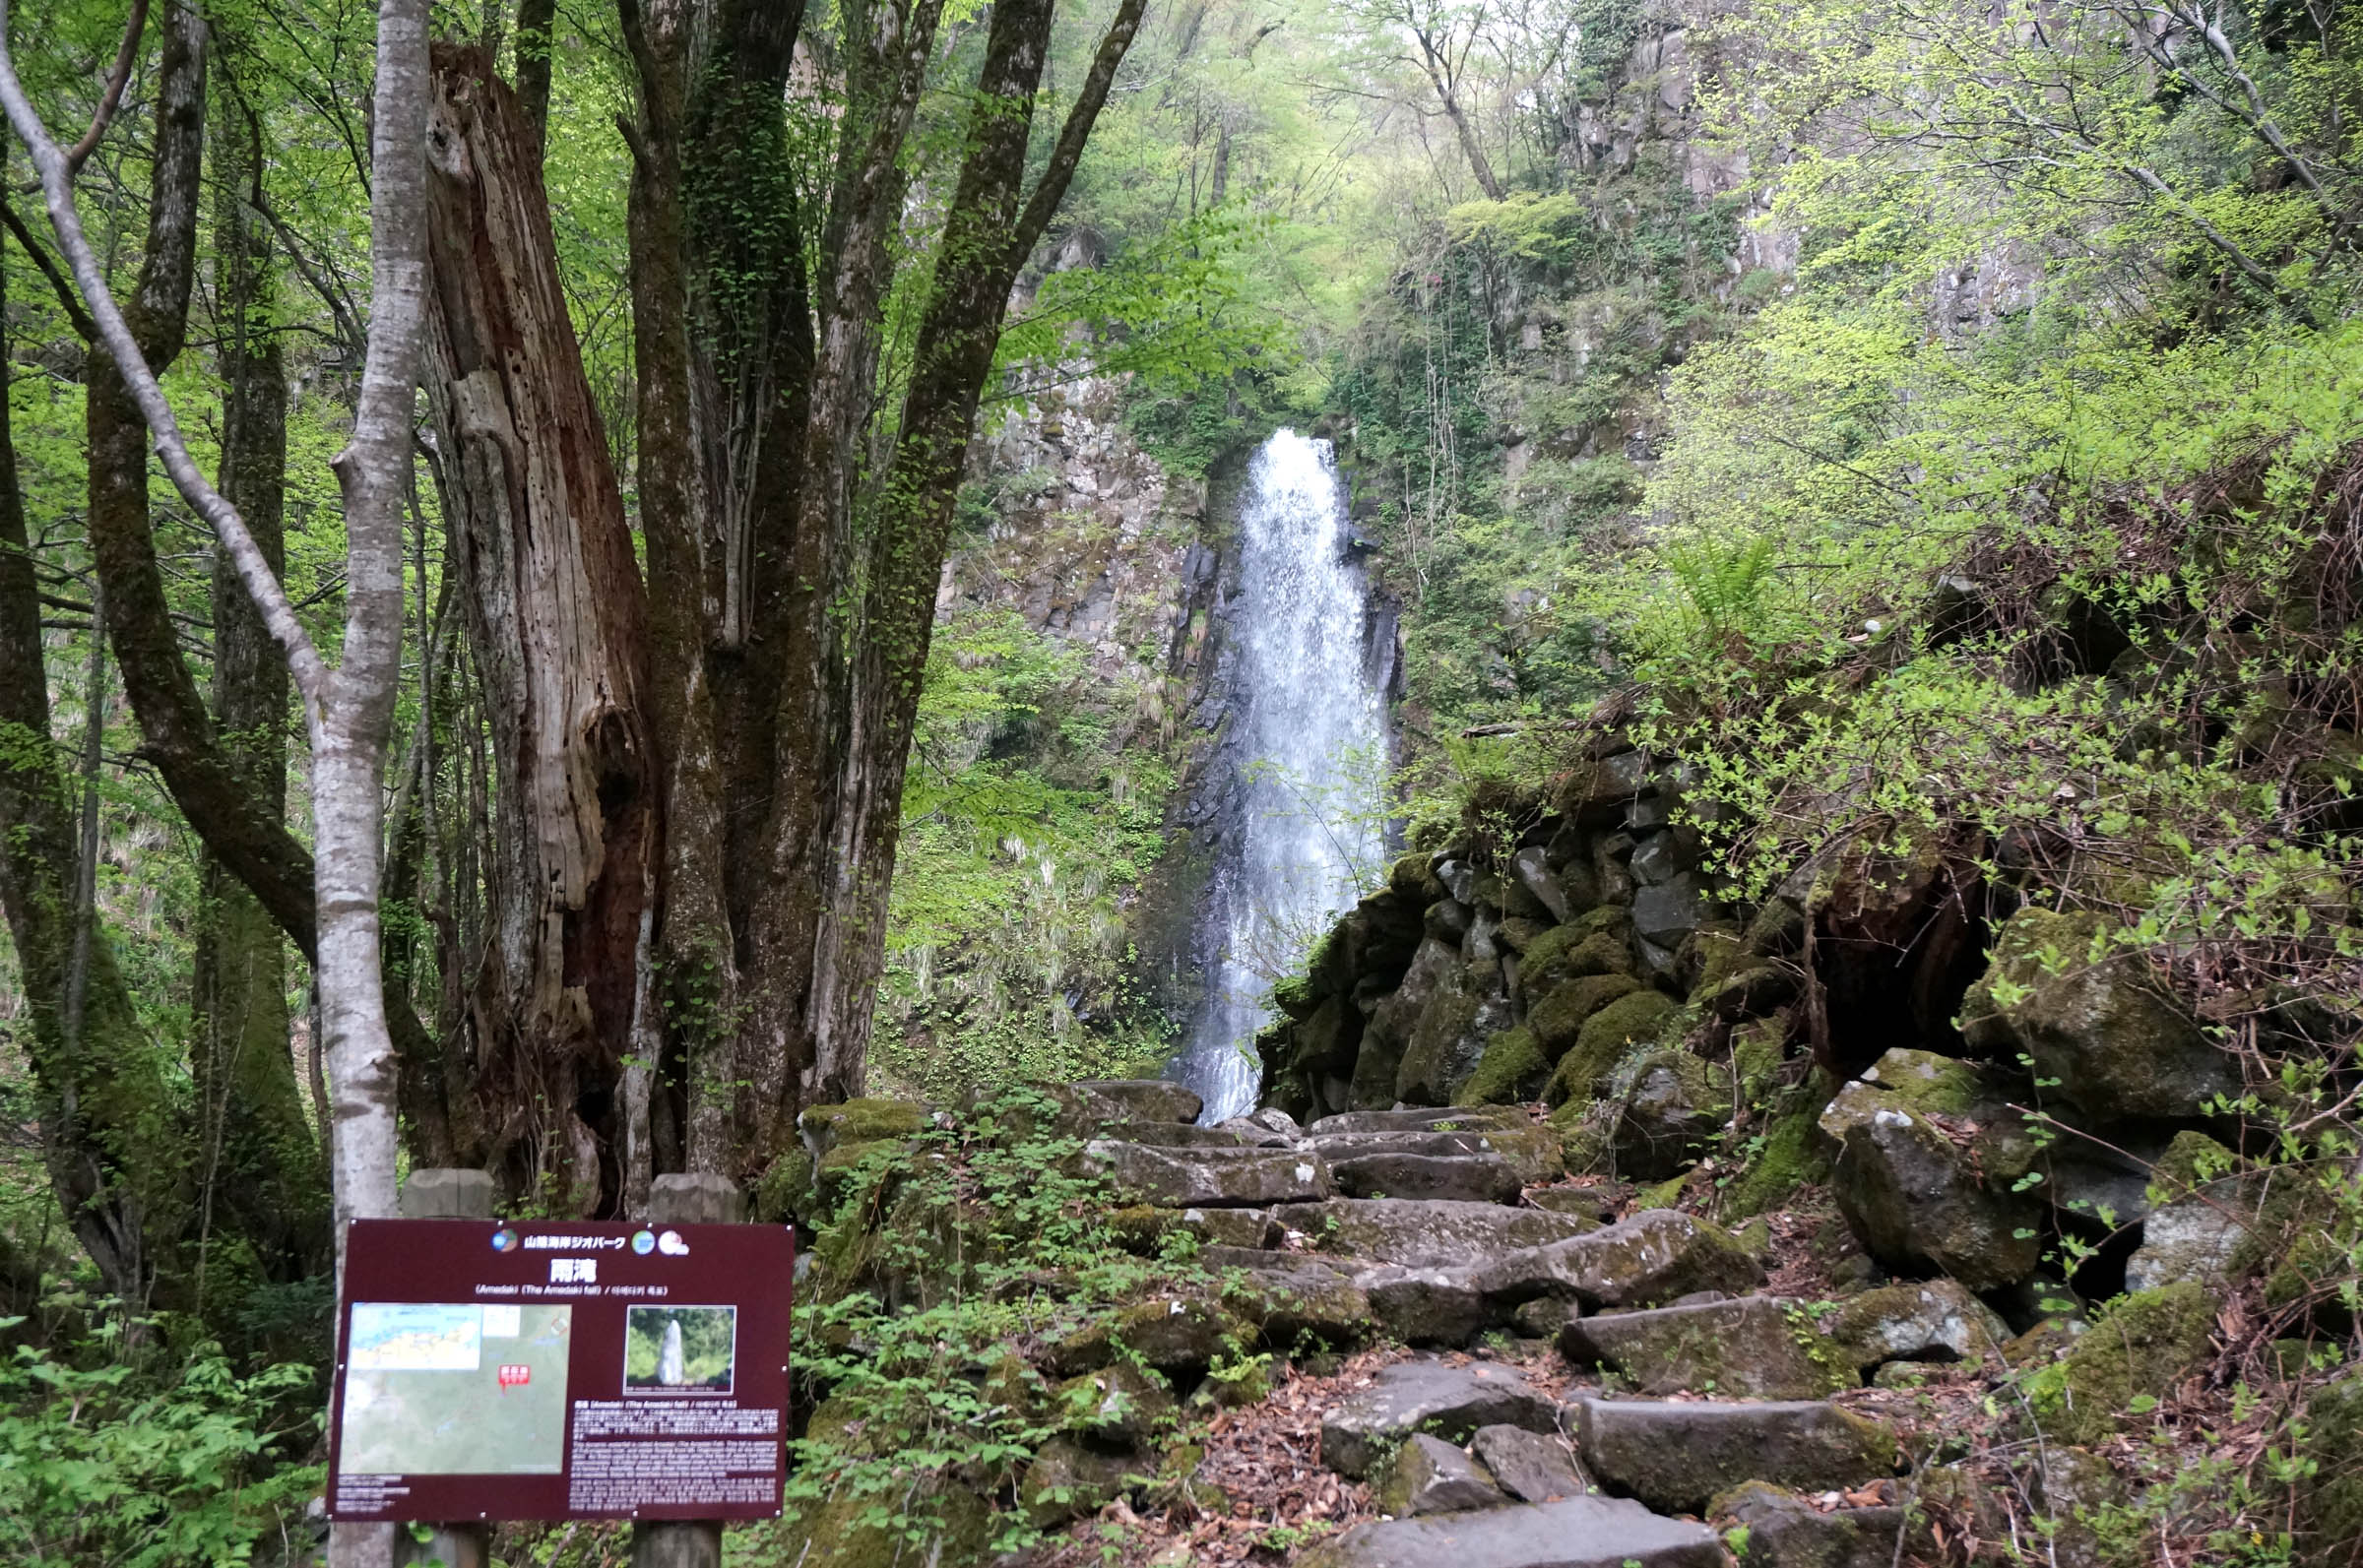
[1976, 1085]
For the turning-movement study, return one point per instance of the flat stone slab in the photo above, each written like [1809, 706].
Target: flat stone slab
[1656, 1255]
[1426, 1306]
[1421, 1118]
[1427, 1396]
[1588, 1531]
[1137, 1100]
[1432, 1477]
[1427, 1141]
[1752, 1346]
[1784, 1530]
[1183, 1178]
[1176, 1135]
[1936, 1320]
[1676, 1457]
[1529, 1466]
[1425, 1232]
[1457, 1179]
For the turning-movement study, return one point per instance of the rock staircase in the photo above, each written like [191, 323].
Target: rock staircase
[1436, 1227]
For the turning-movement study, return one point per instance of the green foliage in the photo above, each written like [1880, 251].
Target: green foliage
[1028, 819]
[117, 1458]
[942, 1263]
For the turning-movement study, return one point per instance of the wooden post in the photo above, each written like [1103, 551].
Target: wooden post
[443, 1194]
[699, 1198]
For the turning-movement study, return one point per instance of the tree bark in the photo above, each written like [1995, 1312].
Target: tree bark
[559, 631]
[263, 1178]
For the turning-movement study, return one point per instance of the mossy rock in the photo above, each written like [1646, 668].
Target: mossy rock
[1790, 1156]
[2120, 1046]
[860, 1121]
[1605, 1039]
[1586, 1131]
[1512, 1070]
[1069, 1479]
[1674, 1110]
[1449, 1041]
[1558, 1018]
[2192, 1160]
[2332, 1496]
[1181, 1336]
[1413, 879]
[1777, 930]
[1711, 955]
[1757, 1051]
[953, 1524]
[2139, 1347]
[784, 1192]
[850, 1165]
[1121, 1406]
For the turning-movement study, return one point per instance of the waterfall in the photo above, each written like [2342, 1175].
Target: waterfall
[1306, 745]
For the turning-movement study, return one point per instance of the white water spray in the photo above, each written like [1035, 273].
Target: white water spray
[1310, 728]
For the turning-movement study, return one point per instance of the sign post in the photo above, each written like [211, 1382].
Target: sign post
[694, 1199]
[563, 1369]
[446, 1194]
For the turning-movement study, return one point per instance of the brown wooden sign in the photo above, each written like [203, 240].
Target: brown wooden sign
[492, 1370]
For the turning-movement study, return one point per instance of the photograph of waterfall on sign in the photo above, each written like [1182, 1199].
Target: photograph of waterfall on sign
[684, 1350]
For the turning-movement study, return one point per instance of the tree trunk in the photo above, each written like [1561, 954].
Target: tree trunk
[110, 1137]
[780, 816]
[555, 616]
[262, 1177]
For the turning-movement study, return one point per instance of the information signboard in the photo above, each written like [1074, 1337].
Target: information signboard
[495, 1370]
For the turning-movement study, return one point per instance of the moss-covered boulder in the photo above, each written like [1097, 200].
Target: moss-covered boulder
[2139, 1347]
[1512, 1070]
[1775, 1528]
[859, 1121]
[1605, 1038]
[1598, 942]
[2332, 1496]
[1753, 1347]
[1790, 1156]
[1448, 1040]
[1933, 1320]
[1123, 1407]
[1927, 1159]
[937, 1520]
[1070, 1479]
[2094, 1017]
[1559, 1015]
[1671, 1114]
[1181, 1336]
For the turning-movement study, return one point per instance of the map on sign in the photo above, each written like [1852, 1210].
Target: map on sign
[455, 1388]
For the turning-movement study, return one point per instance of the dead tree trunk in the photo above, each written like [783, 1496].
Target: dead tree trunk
[560, 634]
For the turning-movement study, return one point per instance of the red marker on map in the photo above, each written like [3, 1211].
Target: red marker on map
[513, 1374]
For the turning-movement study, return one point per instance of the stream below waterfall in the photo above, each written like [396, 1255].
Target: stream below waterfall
[1307, 741]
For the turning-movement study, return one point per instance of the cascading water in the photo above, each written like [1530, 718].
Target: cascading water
[1307, 740]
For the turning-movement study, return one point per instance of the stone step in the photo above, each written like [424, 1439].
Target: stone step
[1578, 1532]
[1425, 1232]
[1421, 1118]
[1677, 1455]
[1137, 1100]
[1346, 1146]
[1458, 1178]
[1176, 1135]
[1656, 1255]
[1213, 1178]
[1754, 1347]
[1529, 1466]
[1428, 1396]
